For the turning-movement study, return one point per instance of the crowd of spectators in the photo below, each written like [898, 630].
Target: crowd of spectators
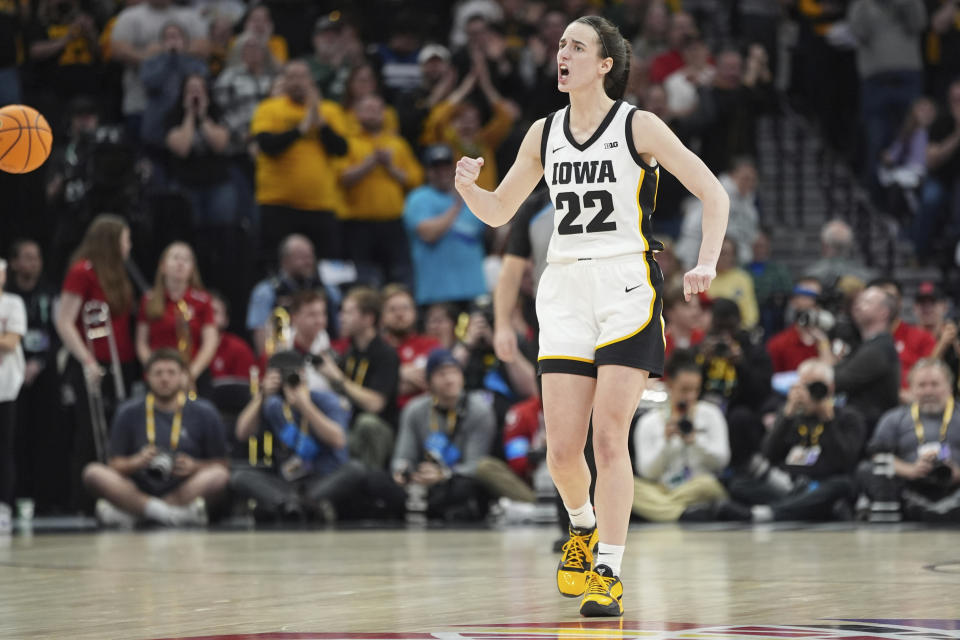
[342, 356]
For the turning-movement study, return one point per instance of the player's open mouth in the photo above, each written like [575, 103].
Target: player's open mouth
[563, 71]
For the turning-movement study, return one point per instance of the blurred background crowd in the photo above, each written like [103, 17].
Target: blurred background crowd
[341, 356]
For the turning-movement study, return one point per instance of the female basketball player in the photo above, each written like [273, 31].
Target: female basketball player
[599, 300]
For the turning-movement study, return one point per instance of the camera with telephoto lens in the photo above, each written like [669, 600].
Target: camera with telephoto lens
[291, 379]
[817, 319]
[160, 467]
[818, 390]
[684, 425]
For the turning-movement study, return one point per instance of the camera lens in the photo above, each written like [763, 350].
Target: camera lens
[818, 390]
[685, 427]
[940, 475]
[160, 466]
[291, 379]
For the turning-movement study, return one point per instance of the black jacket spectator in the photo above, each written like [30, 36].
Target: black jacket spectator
[840, 441]
[870, 377]
[806, 468]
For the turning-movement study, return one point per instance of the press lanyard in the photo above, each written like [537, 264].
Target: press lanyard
[288, 414]
[804, 431]
[177, 421]
[357, 372]
[452, 419]
[918, 426]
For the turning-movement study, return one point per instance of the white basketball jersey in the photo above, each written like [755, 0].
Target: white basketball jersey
[602, 189]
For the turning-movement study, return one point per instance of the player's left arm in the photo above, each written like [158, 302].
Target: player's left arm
[654, 140]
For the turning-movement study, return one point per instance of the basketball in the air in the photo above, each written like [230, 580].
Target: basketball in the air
[25, 138]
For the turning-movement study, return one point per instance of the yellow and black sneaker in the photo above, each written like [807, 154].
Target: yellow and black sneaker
[576, 561]
[604, 594]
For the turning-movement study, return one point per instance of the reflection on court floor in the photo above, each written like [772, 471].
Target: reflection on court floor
[855, 583]
[627, 630]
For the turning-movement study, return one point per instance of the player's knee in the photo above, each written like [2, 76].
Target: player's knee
[609, 446]
[562, 458]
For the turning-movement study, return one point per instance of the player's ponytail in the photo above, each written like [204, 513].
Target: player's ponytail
[615, 46]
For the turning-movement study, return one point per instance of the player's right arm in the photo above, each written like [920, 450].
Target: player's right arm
[498, 206]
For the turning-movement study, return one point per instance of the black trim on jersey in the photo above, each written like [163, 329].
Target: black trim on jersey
[647, 193]
[631, 146]
[596, 134]
[562, 365]
[543, 140]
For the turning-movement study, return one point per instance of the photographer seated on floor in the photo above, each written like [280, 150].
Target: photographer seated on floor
[444, 436]
[310, 432]
[916, 450]
[808, 458]
[167, 455]
[679, 449]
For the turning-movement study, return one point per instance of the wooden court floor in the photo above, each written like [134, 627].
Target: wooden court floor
[864, 582]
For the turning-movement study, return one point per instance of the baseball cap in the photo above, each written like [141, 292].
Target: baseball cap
[329, 22]
[928, 291]
[799, 290]
[437, 154]
[433, 51]
[440, 358]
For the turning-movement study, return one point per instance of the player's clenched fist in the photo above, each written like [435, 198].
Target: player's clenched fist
[697, 280]
[468, 170]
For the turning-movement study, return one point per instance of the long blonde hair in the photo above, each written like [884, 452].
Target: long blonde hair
[157, 296]
[101, 246]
